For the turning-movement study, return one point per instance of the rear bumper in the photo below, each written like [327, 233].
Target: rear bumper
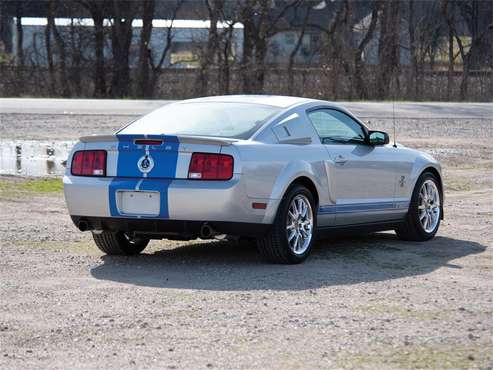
[191, 200]
[160, 228]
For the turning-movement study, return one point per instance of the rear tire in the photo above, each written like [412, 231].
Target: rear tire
[119, 243]
[423, 206]
[275, 247]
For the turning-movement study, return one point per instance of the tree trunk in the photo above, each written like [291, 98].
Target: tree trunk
[262, 35]
[60, 46]
[465, 57]
[20, 35]
[249, 32]
[329, 53]
[6, 22]
[96, 9]
[224, 75]
[75, 47]
[156, 68]
[99, 75]
[144, 53]
[464, 84]
[294, 52]
[49, 54]
[388, 48]
[472, 58]
[450, 72]
[345, 52]
[413, 81]
[259, 69]
[214, 8]
[360, 86]
[121, 37]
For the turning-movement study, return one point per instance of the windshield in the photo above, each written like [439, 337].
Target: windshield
[231, 120]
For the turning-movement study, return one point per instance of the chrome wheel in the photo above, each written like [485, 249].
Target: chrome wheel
[299, 224]
[429, 206]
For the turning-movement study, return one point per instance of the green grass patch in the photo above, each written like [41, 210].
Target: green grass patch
[20, 186]
[420, 357]
[400, 312]
[42, 186]
[84, 246]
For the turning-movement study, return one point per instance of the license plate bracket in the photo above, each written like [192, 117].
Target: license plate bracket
[139, 203]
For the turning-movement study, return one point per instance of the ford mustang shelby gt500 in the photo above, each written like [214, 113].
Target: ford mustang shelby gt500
[277, 169]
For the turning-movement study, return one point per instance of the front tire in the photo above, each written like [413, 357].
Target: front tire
[425, 210]
[291, 237]
[119, 243]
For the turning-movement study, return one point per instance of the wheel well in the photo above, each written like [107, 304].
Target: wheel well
[307, 183]
[440, 184]
[437, 174]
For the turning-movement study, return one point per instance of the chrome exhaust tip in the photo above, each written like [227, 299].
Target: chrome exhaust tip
[83, 225]
[206, 231]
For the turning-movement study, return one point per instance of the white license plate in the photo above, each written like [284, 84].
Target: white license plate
[145, 203]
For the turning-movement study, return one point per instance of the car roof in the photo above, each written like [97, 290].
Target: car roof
[272, 100]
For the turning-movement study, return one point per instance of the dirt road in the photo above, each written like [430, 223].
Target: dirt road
[364, 302]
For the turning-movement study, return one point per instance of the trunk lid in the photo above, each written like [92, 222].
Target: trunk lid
[153, 156]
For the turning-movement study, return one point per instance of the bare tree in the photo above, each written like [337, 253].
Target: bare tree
[49, 50]
[388, 47]
[412, 84]
[20, 34]
[450, 45]
[143, 73]
[260, 23]
[75, 52]
[296, 49]
[225, 56]
[480, 36]
[360, 86]
[330, 53]
[343, 53]
[426, 33]
[156, 68]
[5, 29]
[60, 47]
[451, 59]
[121, 38]
[208, 57]
[96, 9]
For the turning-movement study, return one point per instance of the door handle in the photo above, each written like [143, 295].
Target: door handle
[340, 160]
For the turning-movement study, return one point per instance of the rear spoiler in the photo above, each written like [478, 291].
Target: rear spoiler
[189, 139]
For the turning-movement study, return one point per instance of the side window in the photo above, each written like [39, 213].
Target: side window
[335, 126]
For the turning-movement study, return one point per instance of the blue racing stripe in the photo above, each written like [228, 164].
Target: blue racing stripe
[362, 207]
[160, 185]
[129, 177]
[165, 156]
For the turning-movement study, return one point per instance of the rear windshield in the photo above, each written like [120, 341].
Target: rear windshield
[231, 120]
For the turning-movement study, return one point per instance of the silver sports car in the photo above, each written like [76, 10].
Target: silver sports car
[280, 170]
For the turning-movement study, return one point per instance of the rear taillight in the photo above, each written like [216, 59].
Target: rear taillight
[89, 163]
[208, 166]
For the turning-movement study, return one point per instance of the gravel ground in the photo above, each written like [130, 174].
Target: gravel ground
[361, 302]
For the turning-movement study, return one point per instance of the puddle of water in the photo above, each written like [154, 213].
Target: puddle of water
[33, 157]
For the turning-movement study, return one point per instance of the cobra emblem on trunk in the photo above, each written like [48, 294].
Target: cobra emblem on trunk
[145, 164]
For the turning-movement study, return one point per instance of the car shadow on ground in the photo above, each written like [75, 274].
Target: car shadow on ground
[225, 266]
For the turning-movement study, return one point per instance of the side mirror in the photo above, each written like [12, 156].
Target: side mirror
[378, 138]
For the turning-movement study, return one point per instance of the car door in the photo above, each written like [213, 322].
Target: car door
[361, 176]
